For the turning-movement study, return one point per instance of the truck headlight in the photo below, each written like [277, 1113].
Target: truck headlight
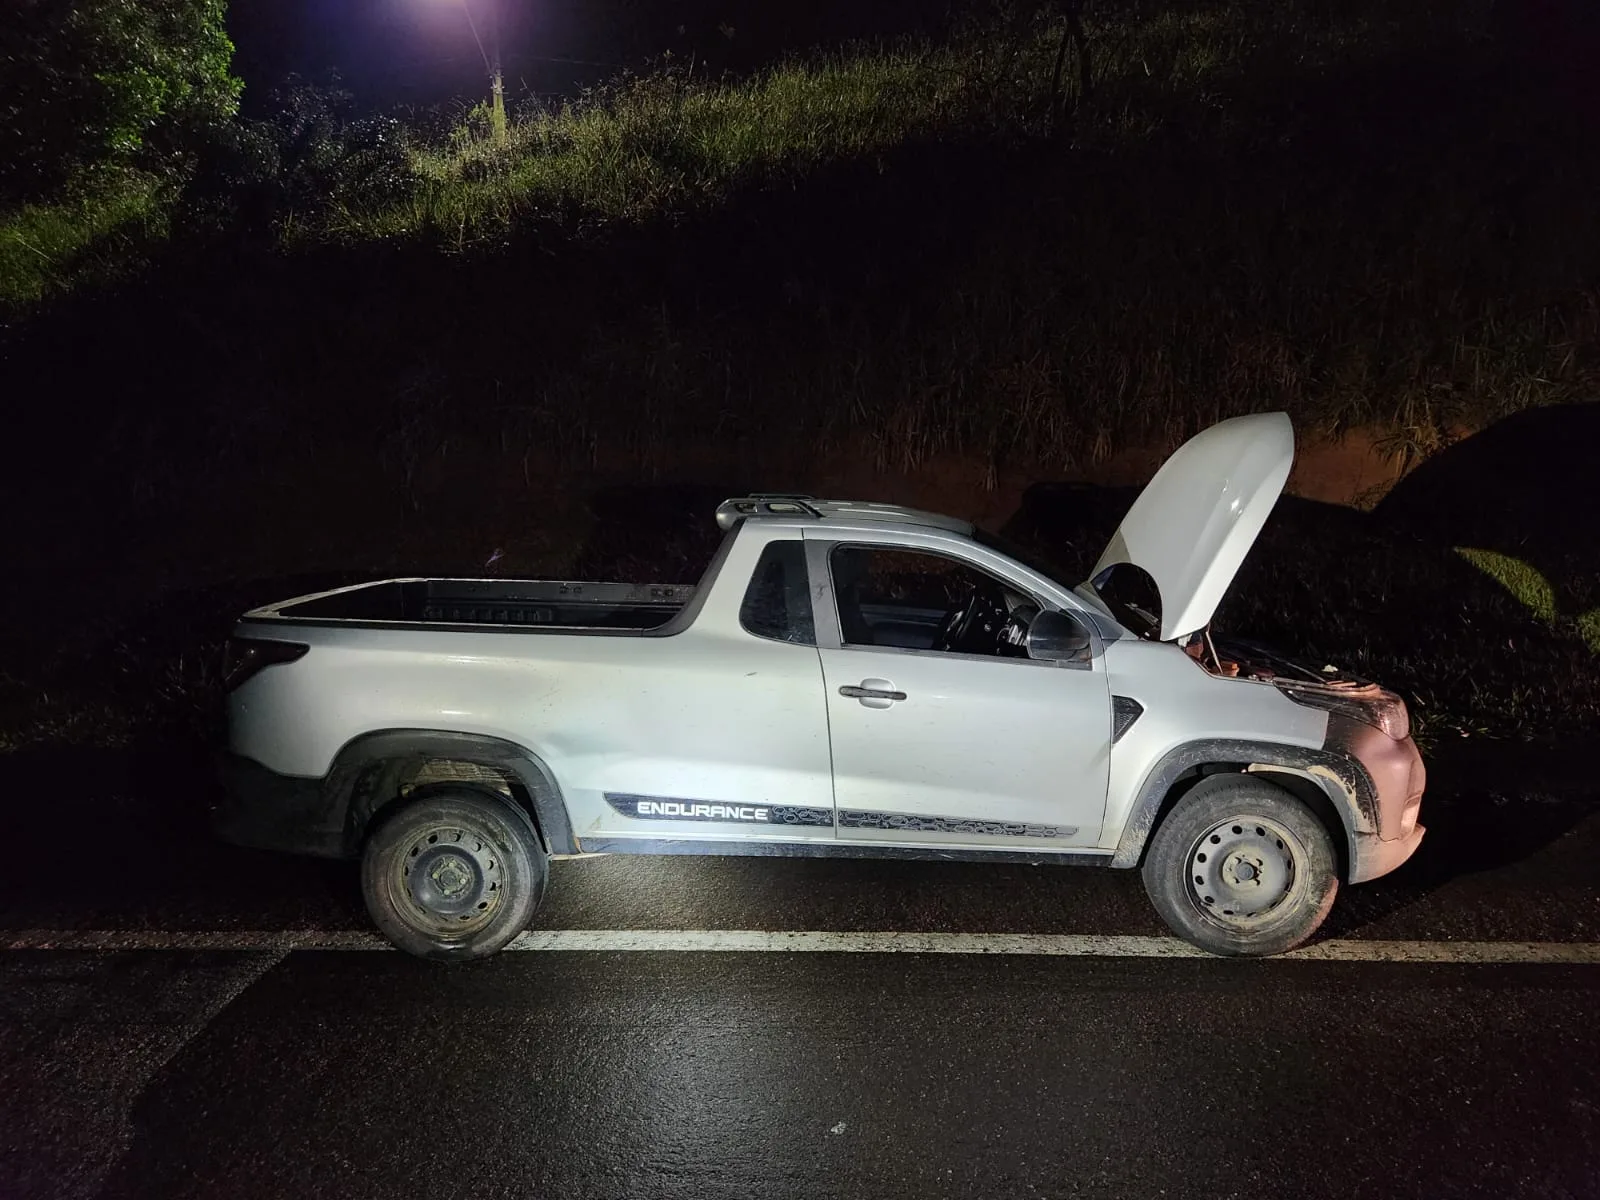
[1367, 703]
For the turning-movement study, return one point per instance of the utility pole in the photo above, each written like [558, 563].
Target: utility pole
[491, 62]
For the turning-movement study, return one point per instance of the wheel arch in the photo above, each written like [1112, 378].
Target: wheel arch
[371, 772]
[1334, 786]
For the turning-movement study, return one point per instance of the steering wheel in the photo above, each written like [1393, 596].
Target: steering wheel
[979, 605]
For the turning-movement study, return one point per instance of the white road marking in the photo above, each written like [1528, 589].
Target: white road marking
[1073, 945]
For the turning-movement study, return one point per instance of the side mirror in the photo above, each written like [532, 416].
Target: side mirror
[1057, 637]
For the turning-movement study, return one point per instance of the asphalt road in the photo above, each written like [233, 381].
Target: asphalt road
[250, 1068]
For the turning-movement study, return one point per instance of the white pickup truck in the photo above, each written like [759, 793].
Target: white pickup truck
[847, 679]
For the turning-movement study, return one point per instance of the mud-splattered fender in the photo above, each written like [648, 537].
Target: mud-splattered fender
[354, 766]
[1341, 778]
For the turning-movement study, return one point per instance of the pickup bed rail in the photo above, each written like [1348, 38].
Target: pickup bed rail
[515, 602]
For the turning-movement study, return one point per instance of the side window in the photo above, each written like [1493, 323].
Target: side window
[777, 604]
[916, 601]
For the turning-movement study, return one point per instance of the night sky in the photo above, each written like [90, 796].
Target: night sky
[422, 52]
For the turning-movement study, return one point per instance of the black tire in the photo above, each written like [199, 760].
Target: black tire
[1241, 867]
[454, 873]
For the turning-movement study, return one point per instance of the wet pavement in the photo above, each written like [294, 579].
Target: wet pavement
[256, 1070]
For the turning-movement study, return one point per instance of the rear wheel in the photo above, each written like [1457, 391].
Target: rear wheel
[1242, 867]
[455, 873]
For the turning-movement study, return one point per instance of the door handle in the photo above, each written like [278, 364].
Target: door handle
[874, 693]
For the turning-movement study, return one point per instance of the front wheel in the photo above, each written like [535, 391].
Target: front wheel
[1241, 867]
[455, 873]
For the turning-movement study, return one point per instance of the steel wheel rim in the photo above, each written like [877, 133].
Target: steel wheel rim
[1243, 871]
[450, 879]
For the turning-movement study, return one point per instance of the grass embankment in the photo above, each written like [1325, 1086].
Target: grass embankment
[1362, 214]
[94, 234]
[668, 144]
[1335, 211]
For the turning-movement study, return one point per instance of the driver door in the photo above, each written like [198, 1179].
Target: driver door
[952, 748]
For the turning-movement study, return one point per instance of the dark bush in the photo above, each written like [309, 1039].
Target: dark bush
[316, 150]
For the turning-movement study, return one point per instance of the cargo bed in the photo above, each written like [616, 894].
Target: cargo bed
[524, 603]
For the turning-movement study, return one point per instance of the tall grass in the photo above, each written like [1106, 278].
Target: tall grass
[1320, 207]
[93, 233]
[1350, 210]
[668, 142]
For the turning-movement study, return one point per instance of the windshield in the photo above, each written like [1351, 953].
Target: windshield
[1127, 592]
[1131, 594]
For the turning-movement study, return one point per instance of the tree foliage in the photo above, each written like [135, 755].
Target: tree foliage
[87, 85]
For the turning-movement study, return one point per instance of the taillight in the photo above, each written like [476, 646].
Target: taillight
[246, 656]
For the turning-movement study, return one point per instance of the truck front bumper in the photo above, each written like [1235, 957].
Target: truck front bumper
[1374, 856]
[1398, 778]
[263, 810]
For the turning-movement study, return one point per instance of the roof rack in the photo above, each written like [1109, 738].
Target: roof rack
[766, 504]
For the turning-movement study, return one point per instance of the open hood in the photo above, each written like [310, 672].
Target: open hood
[1196, 520]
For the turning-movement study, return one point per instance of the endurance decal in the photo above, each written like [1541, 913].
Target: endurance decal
[667, 808]
[672, 808]
[849, 819]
